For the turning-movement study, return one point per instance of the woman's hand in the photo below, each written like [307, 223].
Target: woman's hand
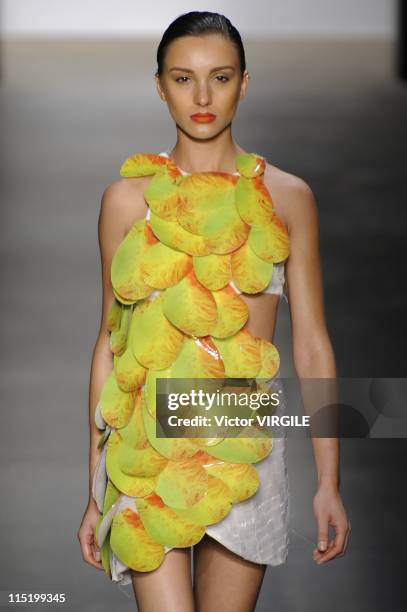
[87, 538]
[329, 510]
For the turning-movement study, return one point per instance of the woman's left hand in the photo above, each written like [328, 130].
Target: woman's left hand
[329, 510]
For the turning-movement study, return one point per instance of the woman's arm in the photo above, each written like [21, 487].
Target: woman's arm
[110, 233]
[120, 207]
[313, 355]
[122, 203]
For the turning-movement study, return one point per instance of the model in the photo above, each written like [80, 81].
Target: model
[196, 245]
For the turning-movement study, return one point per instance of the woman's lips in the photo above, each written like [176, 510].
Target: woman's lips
[203, 117]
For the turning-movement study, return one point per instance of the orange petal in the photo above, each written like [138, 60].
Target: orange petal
[241, 450]
[134, 434]
[118, 337]
[134, 486]
[174, 235]
[233, 313]
[131, 543]
[212, 508]
[126, 274]
[240, 354]
[176, 449]
[182, 484]
[162, 266]
[270, 359]
[204, 196]
[114, 316]
[130, 374]
[143, 164]
[116, 406]
[165, 526]
[190, 306]
[253, 201]
[250, 164]
[155, 342]
[213, 271]
[198, 358]
[250, 273]
[241, 479]
[162, 196]
[270, 241]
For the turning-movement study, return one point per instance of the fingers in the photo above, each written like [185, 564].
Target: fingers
[335, 547]
[322, 538]
[346, 539]
[90, 550]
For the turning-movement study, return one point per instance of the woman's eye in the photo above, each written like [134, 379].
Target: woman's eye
[222, 78]
[178, 80]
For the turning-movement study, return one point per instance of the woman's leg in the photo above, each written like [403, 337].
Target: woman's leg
[169, 587]
[223, 580]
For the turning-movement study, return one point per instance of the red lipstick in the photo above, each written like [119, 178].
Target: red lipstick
[203, 117]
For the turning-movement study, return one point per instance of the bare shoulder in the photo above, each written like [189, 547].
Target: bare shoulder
[123, 202]
[293, 198]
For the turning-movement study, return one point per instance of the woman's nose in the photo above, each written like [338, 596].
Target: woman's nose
[202, 94]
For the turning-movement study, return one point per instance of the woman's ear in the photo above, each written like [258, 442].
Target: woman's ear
[244, 85]
[158, 86]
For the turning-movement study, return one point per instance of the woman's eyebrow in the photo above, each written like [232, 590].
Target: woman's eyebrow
[189, 70]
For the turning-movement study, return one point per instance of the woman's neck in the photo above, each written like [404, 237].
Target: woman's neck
[205, 156]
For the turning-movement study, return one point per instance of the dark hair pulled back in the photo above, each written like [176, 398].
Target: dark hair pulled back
[199, 23]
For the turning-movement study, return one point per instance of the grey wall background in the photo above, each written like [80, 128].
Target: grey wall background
[263, 17]
[326, 108]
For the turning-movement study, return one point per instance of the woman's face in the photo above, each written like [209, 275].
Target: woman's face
[201, 74]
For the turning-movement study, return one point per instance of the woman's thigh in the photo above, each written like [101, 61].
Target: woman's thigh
[169, 587]
[223, 580]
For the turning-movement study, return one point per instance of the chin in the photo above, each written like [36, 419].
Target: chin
[197, 131]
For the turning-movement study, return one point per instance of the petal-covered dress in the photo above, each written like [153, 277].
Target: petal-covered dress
[177, 278]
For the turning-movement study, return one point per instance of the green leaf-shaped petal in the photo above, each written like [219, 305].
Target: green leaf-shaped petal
[241, 450]
[270, 359]
[163, 266]
[233, 313]
[174, 235]
[162, 196]
[213, 507]
[118, 338]
[270, 241]
[130, 374]
[250, 164]
[190, 306]
[131, 543]
[250, 273]
[134, 486]
[112, 494]
[116, 406]
[176, 449]
[143, 164]
[133, 434]
[138, 462]
[240, 354]
[213, 271]
[253, 201]
[181, 484]
[126, 275]
[164, 524]
[155, 341]
[241, 479]
[114, 316]
[198, 358]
